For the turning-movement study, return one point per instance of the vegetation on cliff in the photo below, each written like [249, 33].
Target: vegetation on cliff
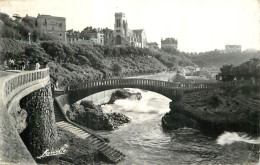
[72, 63]
[247, 70]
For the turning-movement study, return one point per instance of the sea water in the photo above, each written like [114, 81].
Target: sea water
[143, 141]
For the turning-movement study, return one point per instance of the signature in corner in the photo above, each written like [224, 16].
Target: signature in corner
[61, 151]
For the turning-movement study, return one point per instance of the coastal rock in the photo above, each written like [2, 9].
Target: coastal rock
[18, 117]
[123, 94]
[118, 119]
[214, 111]
[92, 116]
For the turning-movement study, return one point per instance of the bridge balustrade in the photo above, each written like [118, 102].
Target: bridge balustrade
[121, 83]
[23, 78]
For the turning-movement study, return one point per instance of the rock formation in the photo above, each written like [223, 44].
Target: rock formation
[92, 116]
[123, 94]
[214, 111]
[41, 132]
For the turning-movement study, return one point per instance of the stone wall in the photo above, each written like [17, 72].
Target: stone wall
[41, 132]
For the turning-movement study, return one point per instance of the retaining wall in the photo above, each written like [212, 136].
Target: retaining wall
[13, 88]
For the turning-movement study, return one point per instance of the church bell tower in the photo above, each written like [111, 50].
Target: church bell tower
[121, 25]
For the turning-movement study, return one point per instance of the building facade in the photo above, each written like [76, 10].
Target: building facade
[93, 35]
[233, 48]
[153, 45]
[123, 36]
[55, 26]
[169, 43]
[72, 36]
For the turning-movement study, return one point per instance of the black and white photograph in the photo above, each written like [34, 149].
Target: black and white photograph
[129, 82]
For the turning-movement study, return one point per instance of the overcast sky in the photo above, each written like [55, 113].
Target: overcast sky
[199, 25]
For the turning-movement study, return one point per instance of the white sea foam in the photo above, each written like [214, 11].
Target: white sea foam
[231, 137]
[151, 106]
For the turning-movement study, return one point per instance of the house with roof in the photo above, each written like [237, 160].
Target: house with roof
[55, 26]
[169, 43]
[153, 45]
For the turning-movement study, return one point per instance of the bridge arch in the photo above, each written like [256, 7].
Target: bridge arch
[170, 90]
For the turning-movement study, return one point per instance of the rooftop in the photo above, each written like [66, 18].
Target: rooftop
[49, 16]
[152, 43]
[119, 14]
[169, 40]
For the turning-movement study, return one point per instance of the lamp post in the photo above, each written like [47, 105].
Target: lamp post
[29, 34]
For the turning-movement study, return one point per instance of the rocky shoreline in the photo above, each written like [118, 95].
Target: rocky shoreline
[216, 111]
[92, 116]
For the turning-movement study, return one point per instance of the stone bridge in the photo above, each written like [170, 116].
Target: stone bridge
[171, 90]
[14, 87]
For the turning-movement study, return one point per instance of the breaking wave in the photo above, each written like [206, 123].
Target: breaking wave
[230, 137]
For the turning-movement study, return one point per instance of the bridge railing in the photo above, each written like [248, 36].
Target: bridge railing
[15, 82]
[146, 82]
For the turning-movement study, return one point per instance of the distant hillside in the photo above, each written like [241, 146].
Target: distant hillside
[215, 58]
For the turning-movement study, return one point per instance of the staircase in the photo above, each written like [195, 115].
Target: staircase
[113, 155]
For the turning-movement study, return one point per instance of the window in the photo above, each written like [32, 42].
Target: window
[53, 28]
[118, 23]
[118, 40]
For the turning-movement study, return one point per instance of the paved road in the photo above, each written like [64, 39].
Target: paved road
[3, 73]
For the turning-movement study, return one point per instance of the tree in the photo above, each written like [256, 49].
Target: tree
[117, 70]
[83, 60]
[34, 36]
[29, 21]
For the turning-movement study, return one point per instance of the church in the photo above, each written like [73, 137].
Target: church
[123, 36]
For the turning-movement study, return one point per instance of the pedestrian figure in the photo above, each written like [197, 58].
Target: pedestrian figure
[27, 65]
[56, 84]
[45, 64]
[11, 61]
[23, 65]
[5, 65]
[37, 66]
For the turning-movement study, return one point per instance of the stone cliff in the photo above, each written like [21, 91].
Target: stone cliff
[216, 111]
